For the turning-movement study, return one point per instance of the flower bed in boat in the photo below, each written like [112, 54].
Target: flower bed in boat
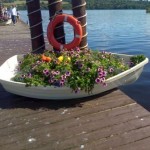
[77, 69]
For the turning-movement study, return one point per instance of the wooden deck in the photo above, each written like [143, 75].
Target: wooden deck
[105, 122]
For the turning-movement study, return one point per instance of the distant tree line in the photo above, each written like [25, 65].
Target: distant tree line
[109, 4]
[95, 4]
[8, 1]
[116, 4]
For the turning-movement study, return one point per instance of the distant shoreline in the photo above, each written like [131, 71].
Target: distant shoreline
[91, 5]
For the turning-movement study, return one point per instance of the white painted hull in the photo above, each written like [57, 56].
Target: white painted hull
[8, 70]
[8, 22]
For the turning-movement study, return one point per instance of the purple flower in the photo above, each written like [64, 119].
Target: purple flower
[100, 69]
[57, 72]
[38, 62]
[111, 70]
[23, 76]
[55, 62]
[50, 81]
[46, 72]
[80, 66]
[68, 73]
[62, 80]
[77, 90]
[88, 69]
[104, 73]
[52, 72]
[97, 80]
[102, 80]
[77, 49]
[100, 74]
[61, 83]
[104, 84]
[77, 62]
[77, 55]
[29, 75]
[63, 77]
[72, 52]
[131, 64]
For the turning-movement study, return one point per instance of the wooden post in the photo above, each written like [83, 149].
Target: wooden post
[55, 6]
[1, 14]
[79, 11]
[36, 29]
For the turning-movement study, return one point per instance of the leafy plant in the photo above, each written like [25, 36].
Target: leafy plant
[77, 69]
[137, 59]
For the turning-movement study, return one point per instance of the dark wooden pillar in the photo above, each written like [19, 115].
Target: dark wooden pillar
[35, 22]
[55, 7]
[1, 14]
[79, 11]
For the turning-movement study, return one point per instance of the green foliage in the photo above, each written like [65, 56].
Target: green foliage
[116, 4]
[8, 1]
[137, 59]
[91, 4]
[77, 69]
[148, 9]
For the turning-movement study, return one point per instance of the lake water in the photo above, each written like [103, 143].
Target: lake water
[120, 31]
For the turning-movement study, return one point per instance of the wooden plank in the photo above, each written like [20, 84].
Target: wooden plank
[77, 129]
[140, 144]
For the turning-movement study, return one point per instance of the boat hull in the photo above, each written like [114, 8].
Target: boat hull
[8, 70]
[8, 22]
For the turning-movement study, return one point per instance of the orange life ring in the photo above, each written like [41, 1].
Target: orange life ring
[77, 31]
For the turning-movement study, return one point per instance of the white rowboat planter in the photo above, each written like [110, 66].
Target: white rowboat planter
[9, 69]
[8, 22]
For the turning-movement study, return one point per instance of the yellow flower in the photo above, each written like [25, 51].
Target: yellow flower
[60, 58]
[69, 59]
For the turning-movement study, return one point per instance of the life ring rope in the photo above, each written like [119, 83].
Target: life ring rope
[85, 46]
[56, 13]
[82, 16]
[60, 37]
[79, 5]
[85, 34]
[39, 48]
[37, 36]
[55, 2]
[34, 11]
[36, 24]
[84, 25]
